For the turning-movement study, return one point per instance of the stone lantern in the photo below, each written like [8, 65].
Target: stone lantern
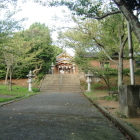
[52, 68]
[89, 80]
[30, 81]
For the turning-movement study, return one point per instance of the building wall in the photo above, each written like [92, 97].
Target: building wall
[97, 64]
[56, 70]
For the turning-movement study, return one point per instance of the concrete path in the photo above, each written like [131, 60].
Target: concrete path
[55, 116]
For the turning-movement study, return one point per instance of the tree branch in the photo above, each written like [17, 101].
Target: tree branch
[131, 18]
[104, 51]
[103, 16]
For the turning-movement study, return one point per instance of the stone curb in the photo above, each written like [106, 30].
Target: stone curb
[5, 103]
[9, 102]
[121, 124]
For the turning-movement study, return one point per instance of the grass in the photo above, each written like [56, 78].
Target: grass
[96, 85]
[91, 95]
[100, 88]
[110, 98]
[94, 95]
[134, 127]
[17, 92]
[120, 115]
[7, 99]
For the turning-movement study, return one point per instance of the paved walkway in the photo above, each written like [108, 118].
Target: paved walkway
[55, 116]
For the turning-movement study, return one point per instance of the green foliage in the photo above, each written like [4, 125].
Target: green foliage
[2, 70]
[126, 71]
[114, 88]
[7, 99]
[99, 9]
[111, 71]
[84, 8]
[20, 72]
[2, 74]
[132, 125]
[98, 37]
[91, 95]
[137, 72]
[28, 50]
[8, 24]
[40, 76]
[96, 85]
[111, 98]
[102, 38]
[120, 115]
[39, 39]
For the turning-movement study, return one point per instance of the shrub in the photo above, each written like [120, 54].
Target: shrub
[40, 76]
[20, 73]
[110, 98]
[126, 71]
[2, 74]
[98, 86]
[114, 88]
[137, 72]
[111, 71]
[2, 70]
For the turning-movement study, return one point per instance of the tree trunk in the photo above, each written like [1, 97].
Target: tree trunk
[131, 18]
[106, 80]
[120, 69]
[6, 77]
[10, 83]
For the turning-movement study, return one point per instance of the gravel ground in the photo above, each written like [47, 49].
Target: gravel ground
[55, 116]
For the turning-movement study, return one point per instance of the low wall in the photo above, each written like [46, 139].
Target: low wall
[129, 99]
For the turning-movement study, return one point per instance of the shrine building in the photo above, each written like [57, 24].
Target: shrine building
[64, 64]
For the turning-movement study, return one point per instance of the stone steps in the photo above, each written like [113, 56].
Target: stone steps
[61, 83]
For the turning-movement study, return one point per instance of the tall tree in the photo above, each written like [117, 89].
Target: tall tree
[8, 24]
[127, 7]
[109, 36]
[94, 9]
[15, 55]
[39, 38]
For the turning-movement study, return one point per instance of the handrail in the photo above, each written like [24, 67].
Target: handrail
[60, 82]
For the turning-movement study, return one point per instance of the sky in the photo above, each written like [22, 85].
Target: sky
[54, 17]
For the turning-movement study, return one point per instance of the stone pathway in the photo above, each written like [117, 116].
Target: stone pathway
[55, 116]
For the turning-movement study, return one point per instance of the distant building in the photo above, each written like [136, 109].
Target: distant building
[64, 64]
[106, 62]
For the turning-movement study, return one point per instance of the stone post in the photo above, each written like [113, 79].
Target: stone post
[52, 68]
[129, 99]
[30, 81]
[89, 76]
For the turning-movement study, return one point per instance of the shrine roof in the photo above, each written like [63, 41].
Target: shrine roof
[63, 61]
[64, 54]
